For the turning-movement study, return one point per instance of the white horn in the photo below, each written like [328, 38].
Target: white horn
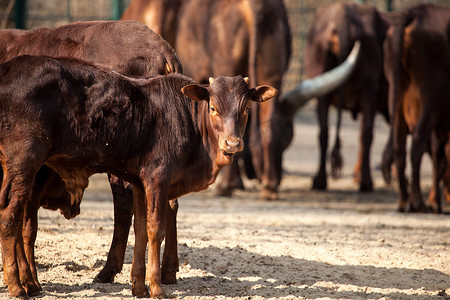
[324, 83]
[211, 80]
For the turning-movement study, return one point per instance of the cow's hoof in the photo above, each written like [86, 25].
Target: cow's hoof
[224, 191]
[432, 207]
[140, 291]
[19, 293]
[169, 277]
[33, 290]
[105, 276]
[268, 193]
[157, 292]
[366, 187]
[319, 184]
[416, 208]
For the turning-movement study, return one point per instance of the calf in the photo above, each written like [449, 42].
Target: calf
[128, 47]
[166, 135]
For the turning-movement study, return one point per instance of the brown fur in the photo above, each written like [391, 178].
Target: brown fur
[335, 29]
[418, 69]
[128, 47]
[238, 37]
[79, 119]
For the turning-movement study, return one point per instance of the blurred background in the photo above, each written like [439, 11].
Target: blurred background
[31, 14]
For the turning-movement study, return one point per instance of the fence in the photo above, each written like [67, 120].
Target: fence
[31, 14]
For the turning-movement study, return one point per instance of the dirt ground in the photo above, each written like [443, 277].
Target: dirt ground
[338, 244]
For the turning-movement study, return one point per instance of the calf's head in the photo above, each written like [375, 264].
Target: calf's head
[229, 101]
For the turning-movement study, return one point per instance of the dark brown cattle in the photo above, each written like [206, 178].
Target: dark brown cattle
[80, 120]
[334, 30]
[417, 66]
[128, 47]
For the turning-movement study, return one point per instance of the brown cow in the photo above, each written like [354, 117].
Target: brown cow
[80, 120]
[417, 66]
[130, 48]
[230, 38]
[334, 30]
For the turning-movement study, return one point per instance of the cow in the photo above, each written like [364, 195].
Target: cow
[417, 66]
[231, 37]
[159, 15]
[166, 135]
[334, 29]
[130, 48]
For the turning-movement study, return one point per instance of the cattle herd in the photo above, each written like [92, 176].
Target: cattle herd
[162, 108]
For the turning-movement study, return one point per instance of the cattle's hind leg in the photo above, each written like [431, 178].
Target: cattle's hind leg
[170, 257]
[123, 213]
[15, 191]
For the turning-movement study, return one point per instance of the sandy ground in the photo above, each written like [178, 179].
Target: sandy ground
[338, 244]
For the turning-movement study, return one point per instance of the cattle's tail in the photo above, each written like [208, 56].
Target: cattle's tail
[343, 39]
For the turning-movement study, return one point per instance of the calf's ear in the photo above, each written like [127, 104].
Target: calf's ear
[262, 93]
[196, 92]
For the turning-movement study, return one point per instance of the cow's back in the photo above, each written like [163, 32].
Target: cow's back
[128, 47]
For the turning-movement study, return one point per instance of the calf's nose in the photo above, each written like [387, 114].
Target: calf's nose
[232, 145]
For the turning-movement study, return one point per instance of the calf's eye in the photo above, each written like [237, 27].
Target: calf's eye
[212, 109]
[247, 110]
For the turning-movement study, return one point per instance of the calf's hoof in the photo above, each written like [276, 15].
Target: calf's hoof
[33, 290]
[105, 276]
[18, 293]
[140, 290]
[157, 292]
[319, 184]
[169, 277]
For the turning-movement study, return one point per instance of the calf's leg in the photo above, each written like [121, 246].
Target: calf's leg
[139, 288]
[15, 191]
[123, 213]
[170, 262]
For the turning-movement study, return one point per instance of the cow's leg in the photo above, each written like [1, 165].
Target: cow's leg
[157, 202]
[123, 213]
[139, 288]
[230, 179]
[15, 191]
[29, 233]
[320, 180]
[400, 132]
[420, 141]
[438, 141]
[387, 159]
[170, 257]
[366, 137]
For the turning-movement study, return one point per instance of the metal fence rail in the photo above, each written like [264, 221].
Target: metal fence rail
[31, 14]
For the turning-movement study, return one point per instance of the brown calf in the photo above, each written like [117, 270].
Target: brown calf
[128, 47]
[80, 120]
